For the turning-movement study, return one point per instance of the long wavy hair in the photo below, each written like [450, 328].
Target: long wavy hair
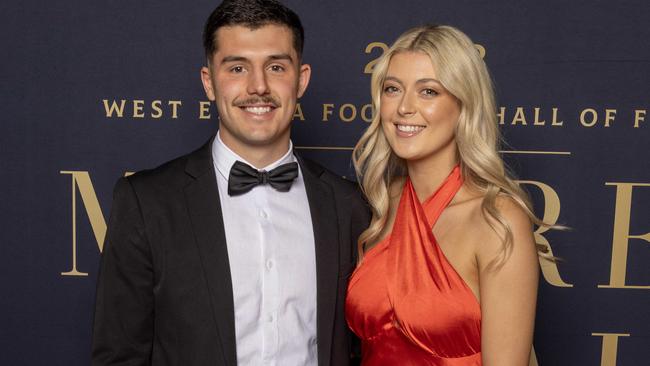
[461, 70]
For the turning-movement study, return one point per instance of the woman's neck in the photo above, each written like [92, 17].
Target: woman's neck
[428, 174]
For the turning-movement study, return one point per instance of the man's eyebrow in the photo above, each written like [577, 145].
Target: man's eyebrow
[281, 56]
[234, 59]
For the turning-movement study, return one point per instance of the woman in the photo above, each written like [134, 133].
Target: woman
[448, 271]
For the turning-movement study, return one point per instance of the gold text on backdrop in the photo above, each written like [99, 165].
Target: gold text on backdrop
[154, 109]
[621, 239]
[81, 180]
[551, 214]
[610, 347]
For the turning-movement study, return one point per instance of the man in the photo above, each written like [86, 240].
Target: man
[239, 252]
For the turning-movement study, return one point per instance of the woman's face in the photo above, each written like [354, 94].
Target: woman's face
[418, 114]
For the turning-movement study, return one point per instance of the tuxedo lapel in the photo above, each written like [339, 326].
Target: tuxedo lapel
[204, 208]
[325, 224]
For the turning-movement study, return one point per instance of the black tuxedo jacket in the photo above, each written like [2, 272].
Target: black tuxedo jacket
[164, 293]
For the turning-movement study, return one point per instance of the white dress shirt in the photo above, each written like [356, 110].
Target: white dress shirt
[272, 259]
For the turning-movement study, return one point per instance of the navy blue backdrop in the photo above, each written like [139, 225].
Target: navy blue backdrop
[93, 90]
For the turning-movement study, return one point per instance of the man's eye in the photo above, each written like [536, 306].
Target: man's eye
[277, 68]
[237, 69]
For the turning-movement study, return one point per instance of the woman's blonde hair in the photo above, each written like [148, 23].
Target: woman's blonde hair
[461, 70]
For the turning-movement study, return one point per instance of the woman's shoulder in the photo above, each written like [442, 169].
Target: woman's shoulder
[521, 248]
[471, 201]
[489, 226]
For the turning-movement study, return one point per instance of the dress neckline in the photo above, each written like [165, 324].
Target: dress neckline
[447, 188]
[440, 198]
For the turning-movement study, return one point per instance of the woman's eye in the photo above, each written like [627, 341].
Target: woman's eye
[390, 89]
[429, 92]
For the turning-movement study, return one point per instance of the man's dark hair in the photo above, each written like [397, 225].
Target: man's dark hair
[252, 14]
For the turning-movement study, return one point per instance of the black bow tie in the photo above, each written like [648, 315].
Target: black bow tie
[244, 177]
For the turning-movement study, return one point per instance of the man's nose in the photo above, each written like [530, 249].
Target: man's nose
[257, 83]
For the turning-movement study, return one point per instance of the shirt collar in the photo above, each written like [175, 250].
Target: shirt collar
[224, 157]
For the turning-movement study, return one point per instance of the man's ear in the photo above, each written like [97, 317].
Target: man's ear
[303, 79]
[206, 79]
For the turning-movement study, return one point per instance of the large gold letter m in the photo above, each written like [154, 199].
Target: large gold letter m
[81, 180]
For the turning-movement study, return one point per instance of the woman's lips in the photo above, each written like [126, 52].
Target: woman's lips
[408, 130]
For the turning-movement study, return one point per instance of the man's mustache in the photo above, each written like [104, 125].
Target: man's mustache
[267, 99]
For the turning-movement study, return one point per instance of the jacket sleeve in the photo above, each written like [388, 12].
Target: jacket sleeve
[123, 325]
[360, 220]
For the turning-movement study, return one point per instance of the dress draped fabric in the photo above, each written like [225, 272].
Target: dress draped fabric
[405, 301]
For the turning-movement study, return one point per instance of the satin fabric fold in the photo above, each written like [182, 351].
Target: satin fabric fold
[405, 301]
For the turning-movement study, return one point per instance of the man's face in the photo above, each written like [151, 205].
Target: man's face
[255, 78]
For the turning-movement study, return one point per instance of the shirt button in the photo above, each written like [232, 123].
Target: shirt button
[270, 318]
[263, 214]
[269, 264]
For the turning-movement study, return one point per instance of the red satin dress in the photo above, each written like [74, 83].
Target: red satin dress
[405, 301]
